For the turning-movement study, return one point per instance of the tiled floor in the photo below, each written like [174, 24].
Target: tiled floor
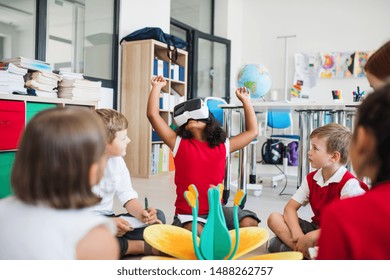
[161, 194]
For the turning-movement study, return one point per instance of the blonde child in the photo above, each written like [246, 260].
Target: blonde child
[357, 228]
[60, 157]
[116, 182]
[331, 181]
[200, 148]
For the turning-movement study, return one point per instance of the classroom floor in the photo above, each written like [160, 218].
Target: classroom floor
[161, 194]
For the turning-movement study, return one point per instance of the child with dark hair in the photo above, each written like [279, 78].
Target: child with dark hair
[377, 67]
[357, 228]
[331, 181]
[200, 147]
[60, 158]
[116, 182]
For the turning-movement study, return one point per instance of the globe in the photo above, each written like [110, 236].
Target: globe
[256, 78]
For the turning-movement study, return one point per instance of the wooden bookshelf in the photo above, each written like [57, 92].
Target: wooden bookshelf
[138, 68]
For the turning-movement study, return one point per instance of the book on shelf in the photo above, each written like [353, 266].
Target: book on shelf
[12, 68]
[155, 137]
[160, 68]
[171, 161]
[79, 96]
[164, 101]
[39, 86]
[46, 94]
[155, 158]
[79, 89]
[71, 75]
[165, 158]
[172, 103]
[29, 63]
[177, 72]
[160, 159]
[80, 83]
[45, 77]
[11, 81]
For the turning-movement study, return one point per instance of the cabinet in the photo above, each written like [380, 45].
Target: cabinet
[141, 60]
[15, 112]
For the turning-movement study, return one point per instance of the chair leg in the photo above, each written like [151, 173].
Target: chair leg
[285, 159]
[252, 174]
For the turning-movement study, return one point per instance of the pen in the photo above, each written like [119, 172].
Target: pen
[146, 203]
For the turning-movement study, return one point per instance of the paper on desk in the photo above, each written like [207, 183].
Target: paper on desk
[188, 218]
[134, 222]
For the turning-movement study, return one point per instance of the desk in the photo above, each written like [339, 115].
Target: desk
[311, 115]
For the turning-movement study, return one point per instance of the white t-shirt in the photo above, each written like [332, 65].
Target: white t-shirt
[351, 187]
[39, 232]
[115, 182]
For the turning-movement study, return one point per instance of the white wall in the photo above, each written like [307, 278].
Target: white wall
[253, 25]
[320, 26]
[135, 14]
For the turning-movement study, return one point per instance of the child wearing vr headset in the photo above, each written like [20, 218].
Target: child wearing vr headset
[200, 148]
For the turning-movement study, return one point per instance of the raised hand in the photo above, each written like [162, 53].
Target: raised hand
[243, 94]
[158, 81]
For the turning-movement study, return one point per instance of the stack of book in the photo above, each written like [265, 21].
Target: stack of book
[12, 78]
[79, 89]
[45, 84]
[71, 75]
[28, 63]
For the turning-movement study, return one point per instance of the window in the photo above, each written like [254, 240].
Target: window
[208, 55]
[211, 66]
[197, 14]
[80, 36]
[73, 35]
[17, 28]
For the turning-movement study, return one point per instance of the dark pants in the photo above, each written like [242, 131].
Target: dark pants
[136, 234]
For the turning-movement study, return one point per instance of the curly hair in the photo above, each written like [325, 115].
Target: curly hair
[213, 132]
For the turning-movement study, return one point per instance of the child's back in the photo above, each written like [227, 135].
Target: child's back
[42, 232]
[60, 157]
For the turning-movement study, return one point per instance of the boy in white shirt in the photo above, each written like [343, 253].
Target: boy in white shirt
[117, 182]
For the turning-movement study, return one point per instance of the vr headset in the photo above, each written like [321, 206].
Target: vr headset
[194, 109]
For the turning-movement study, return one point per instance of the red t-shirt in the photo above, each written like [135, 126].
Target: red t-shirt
[196, 163]
[357, 228]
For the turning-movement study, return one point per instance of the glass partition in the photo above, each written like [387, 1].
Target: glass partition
[80, 36]
[17, 28]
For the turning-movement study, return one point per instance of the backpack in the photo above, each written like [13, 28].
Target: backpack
[292, 153]
[156, 33]
[272, 151]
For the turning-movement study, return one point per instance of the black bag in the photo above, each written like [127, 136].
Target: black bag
[272, 151]
[156, 33]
